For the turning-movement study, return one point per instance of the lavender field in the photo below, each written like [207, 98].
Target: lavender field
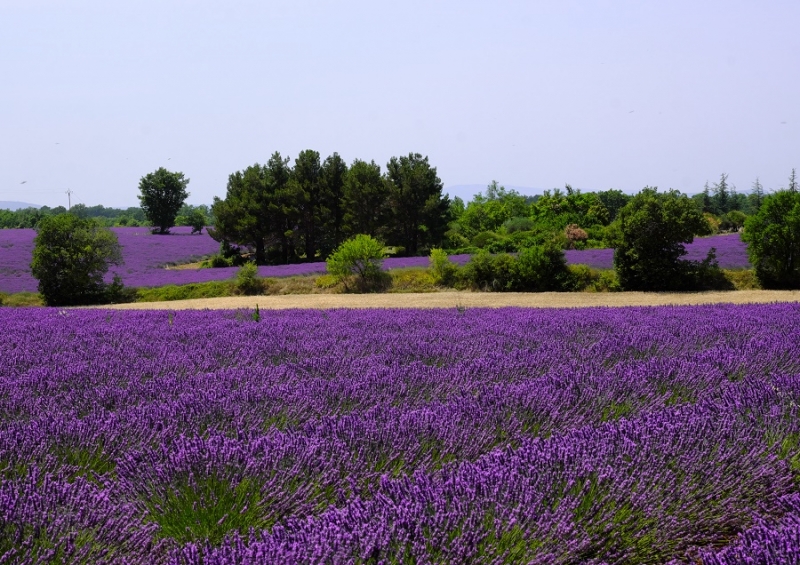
[146, 256]
[630, 435]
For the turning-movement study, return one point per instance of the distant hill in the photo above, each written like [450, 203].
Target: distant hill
[11, 205]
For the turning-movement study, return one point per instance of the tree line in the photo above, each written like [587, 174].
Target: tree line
[302, 212]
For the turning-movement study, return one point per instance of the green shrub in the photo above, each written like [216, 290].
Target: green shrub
[247, 280]
[484, 239]
[216, 262]
[70, 257]
[326, 281]
[518, 224]
[773, 237]
[542, 268]
[479, 272]
[442, 269]
[742, 279]
[357, 264]
[411, 280]
[583, 278]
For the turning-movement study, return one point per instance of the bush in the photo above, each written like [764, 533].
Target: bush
[542, 268]
[216, 262]
[479, 271]
[654, 227]
[411, 280]
[247, 280]
[484, 239]
[773, 237]
[70, 257]
[576, 237]
[536, 269]
[442, 269]
[518, 224]
[357, 264]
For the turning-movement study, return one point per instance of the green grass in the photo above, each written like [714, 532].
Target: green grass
[21, 299]
[208, 509]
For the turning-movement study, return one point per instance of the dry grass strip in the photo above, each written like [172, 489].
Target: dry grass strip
[453, 299]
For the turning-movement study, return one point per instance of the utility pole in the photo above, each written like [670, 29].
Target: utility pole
[69, 199]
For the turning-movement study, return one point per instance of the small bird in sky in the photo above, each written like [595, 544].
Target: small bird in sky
[632, 111]
[783, 122]
[23, 182]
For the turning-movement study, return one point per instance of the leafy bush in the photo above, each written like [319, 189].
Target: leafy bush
[542, 268]
[479, 271]
[326, 281]
[484, 239]
[773, 235]
[247, 280]
[412, 280]
[575, 236]
[536, 269]
[442, 269]
[357, 264]
[216, 262]
[70, 257]
[583, 278]
[518, 224]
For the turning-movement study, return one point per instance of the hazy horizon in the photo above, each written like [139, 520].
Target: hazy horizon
[599, 95]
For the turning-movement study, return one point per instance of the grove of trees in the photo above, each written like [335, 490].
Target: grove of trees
[303, 212]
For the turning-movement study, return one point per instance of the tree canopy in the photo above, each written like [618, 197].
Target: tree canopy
[162, 194]
[773, 237]
[654, 228]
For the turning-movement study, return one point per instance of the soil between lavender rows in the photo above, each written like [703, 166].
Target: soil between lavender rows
[454, 299]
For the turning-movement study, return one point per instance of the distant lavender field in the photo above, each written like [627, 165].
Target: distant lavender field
[731, 253]
[146, 255]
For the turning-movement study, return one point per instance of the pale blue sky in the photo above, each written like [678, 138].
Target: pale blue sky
[615, 94]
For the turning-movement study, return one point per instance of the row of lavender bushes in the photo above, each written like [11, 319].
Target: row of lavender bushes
[632, 435]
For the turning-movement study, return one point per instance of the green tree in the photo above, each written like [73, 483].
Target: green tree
[773, 238]
[653, 229]
[359, 258]
[162, 194]
[366, 199]
[614, 200]
[793, 181]
[70, 257]
[720, 201]
[306, 187]
[489, 211]
[332, 179]
[243, 218]
[420, 211]
[756, 197]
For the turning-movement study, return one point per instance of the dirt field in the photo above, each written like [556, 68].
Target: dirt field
[470, 300]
